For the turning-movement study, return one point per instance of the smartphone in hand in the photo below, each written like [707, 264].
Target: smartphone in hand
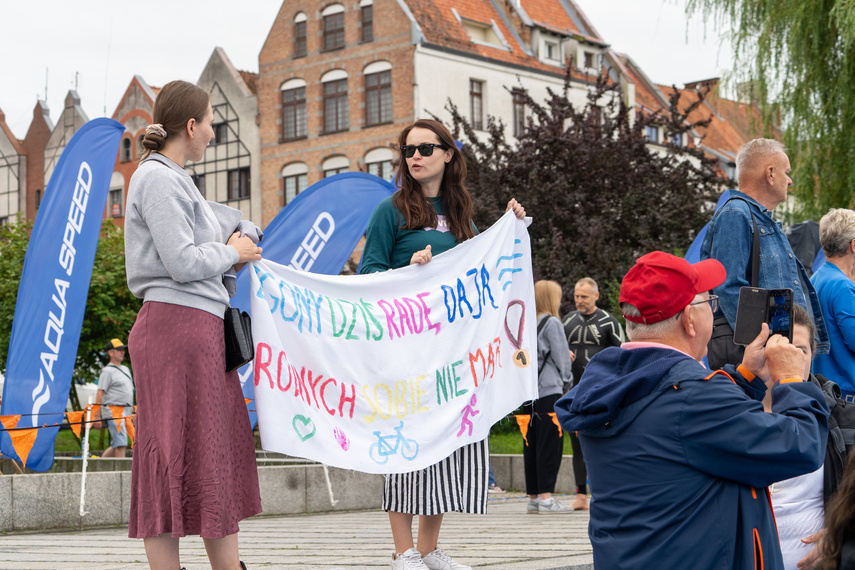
[780, 316]
[757, 306]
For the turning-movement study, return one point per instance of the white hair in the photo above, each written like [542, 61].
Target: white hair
[836, 231]
[753, 150]
[639, 331]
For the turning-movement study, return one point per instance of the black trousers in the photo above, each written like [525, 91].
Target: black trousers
[580, 472]
[542, 455]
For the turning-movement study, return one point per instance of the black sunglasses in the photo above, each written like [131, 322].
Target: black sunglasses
[426, 149]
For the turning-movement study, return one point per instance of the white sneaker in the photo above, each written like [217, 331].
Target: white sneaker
[409, 560]
[553, 507]
[439, 560]
[532, 506]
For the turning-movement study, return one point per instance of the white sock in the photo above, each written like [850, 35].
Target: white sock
[546, 502]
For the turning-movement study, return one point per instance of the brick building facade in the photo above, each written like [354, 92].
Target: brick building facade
[338, 80]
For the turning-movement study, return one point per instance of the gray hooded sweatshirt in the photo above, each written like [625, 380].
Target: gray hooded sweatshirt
[175, 240]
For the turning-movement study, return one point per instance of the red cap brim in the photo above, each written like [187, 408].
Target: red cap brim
[711, 274]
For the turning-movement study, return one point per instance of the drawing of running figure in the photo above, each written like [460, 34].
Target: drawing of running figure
[468, 411]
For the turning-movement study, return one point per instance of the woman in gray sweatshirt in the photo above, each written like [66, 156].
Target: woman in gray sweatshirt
[194, 468]
[544, 444]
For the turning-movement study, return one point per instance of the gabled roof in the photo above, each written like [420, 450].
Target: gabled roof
[732, 124]
[560, 16]
[137, 84]
[648, 97]
[249, 78]
[441, 25]
[244, 80]
[19, 148]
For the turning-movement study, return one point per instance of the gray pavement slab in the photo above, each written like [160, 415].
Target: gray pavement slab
[505, 538]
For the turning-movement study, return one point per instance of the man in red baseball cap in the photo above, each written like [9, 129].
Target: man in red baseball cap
[679, 457]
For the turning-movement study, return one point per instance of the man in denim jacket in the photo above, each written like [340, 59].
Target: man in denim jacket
[763, 170]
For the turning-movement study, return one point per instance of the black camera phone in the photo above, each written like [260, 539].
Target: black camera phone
[780, 317]
[757, 306]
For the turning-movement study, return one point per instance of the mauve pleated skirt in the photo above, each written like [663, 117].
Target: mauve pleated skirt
[194, 470]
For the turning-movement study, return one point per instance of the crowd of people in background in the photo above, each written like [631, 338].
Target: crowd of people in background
[686, 464]
[742, 464]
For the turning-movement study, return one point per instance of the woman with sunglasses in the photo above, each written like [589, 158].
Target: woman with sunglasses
[429, 214]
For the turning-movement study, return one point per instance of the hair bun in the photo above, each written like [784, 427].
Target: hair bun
[155, 137]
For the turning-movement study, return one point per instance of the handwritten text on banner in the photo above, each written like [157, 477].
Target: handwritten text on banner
[392, 372]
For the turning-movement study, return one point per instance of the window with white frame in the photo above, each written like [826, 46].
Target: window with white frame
[296, 179]
[300, 35]
[651, 133]
[294, 116]
[116, 203]
[519, 111]
[366, 8]
[335, 165]
[378, 162]
[378, 93]
[117, 190]
[589, 60]
[335, 101]
[481, 33]
[551, 50]
[476, 103]
[333, 27]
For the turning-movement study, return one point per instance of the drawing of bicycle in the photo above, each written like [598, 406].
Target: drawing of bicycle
[387, 445]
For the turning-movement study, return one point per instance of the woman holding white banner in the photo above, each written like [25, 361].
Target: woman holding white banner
[429, 214]
[194, 469]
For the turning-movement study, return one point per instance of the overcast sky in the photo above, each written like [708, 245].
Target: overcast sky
[98, 46]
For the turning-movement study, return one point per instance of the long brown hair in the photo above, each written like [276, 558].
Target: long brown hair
[175, 104]
[839, 519]
[456, 201]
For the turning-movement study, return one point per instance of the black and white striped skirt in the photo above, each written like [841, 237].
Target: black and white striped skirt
[457, 483]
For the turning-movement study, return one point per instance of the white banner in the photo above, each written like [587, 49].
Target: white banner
[392, 372]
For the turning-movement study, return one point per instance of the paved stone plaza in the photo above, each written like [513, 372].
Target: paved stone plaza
[505, 538]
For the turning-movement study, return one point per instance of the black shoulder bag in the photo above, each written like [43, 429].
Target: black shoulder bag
[238, 336]
[721, 349]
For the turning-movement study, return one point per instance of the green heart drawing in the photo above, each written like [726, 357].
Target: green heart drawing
[306, 429]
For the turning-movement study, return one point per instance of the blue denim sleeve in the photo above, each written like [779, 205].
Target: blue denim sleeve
[731, 235]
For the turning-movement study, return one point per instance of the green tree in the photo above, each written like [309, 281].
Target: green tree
[599, 196]
[14, 238]
[799, 57]
[110, 307]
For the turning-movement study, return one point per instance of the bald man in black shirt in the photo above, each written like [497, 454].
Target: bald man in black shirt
[589, 330]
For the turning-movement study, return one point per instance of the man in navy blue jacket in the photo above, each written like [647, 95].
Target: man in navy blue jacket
[680, 458]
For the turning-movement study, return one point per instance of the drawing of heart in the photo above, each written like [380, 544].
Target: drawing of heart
[304, 427]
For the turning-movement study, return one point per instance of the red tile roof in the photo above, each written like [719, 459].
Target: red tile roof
[551, 15]
[648, 97]
[732, 123]
[249, 78]
[441, 28]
